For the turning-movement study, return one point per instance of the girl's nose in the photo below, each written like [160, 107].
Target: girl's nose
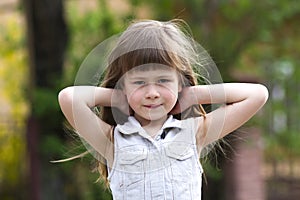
[151, 92]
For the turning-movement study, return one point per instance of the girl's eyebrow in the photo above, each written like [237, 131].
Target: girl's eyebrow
[165, 76]
[145, 75]
[157, 77]
[137, 77]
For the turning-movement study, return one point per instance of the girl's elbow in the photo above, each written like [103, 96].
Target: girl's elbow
[265, 92]
[262, 94]
[65, 96]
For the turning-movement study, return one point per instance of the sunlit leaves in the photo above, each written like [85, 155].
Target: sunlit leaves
[13, 78]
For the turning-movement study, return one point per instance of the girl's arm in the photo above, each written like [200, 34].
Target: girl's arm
[76, 103]
[242, 101]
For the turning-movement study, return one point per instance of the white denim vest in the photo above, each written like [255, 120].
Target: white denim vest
[165, 167]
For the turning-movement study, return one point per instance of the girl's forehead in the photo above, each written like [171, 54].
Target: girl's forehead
[151, 69]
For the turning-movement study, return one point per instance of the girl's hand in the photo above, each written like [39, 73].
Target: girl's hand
[119, 100]
[186, 99]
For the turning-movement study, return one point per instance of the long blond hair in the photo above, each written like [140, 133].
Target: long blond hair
[149, 41]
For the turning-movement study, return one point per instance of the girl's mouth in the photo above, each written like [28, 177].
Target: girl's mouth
[152, 106]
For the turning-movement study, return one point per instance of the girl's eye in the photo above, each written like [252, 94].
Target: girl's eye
[163, 80]
[139, 82]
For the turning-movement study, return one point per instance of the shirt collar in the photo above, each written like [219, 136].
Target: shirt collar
[133, 126]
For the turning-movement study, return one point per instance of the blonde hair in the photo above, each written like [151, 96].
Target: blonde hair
[149, 41]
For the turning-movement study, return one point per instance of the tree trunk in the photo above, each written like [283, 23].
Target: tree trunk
[46, 40]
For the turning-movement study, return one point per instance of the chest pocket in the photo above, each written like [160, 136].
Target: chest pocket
[179, 151]
[181, 161]
[132, 164]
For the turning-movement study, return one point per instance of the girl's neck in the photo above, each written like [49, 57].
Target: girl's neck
[152, 126]
[152, 130]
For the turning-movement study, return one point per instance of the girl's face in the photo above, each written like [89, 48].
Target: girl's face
[152, 93]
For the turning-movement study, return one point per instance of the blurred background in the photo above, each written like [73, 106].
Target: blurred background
[43, 43]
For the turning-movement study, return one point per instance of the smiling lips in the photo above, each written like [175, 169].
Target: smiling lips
[152, 106]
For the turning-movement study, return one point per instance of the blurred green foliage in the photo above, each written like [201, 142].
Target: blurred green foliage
[13, 104]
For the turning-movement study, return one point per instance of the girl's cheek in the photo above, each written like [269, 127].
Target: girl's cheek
[172, 94]
[134, 98]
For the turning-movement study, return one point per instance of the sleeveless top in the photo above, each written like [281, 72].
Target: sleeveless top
[165, 167]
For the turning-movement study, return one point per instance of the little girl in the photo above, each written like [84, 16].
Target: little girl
[152, 127]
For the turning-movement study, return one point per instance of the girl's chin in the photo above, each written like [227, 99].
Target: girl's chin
[152, 118]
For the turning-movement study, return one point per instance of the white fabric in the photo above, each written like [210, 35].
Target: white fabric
[156, 168]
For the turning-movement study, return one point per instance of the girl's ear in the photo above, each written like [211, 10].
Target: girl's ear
[179, 87]
[124, 91]
[181, 82]
[122, 87]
